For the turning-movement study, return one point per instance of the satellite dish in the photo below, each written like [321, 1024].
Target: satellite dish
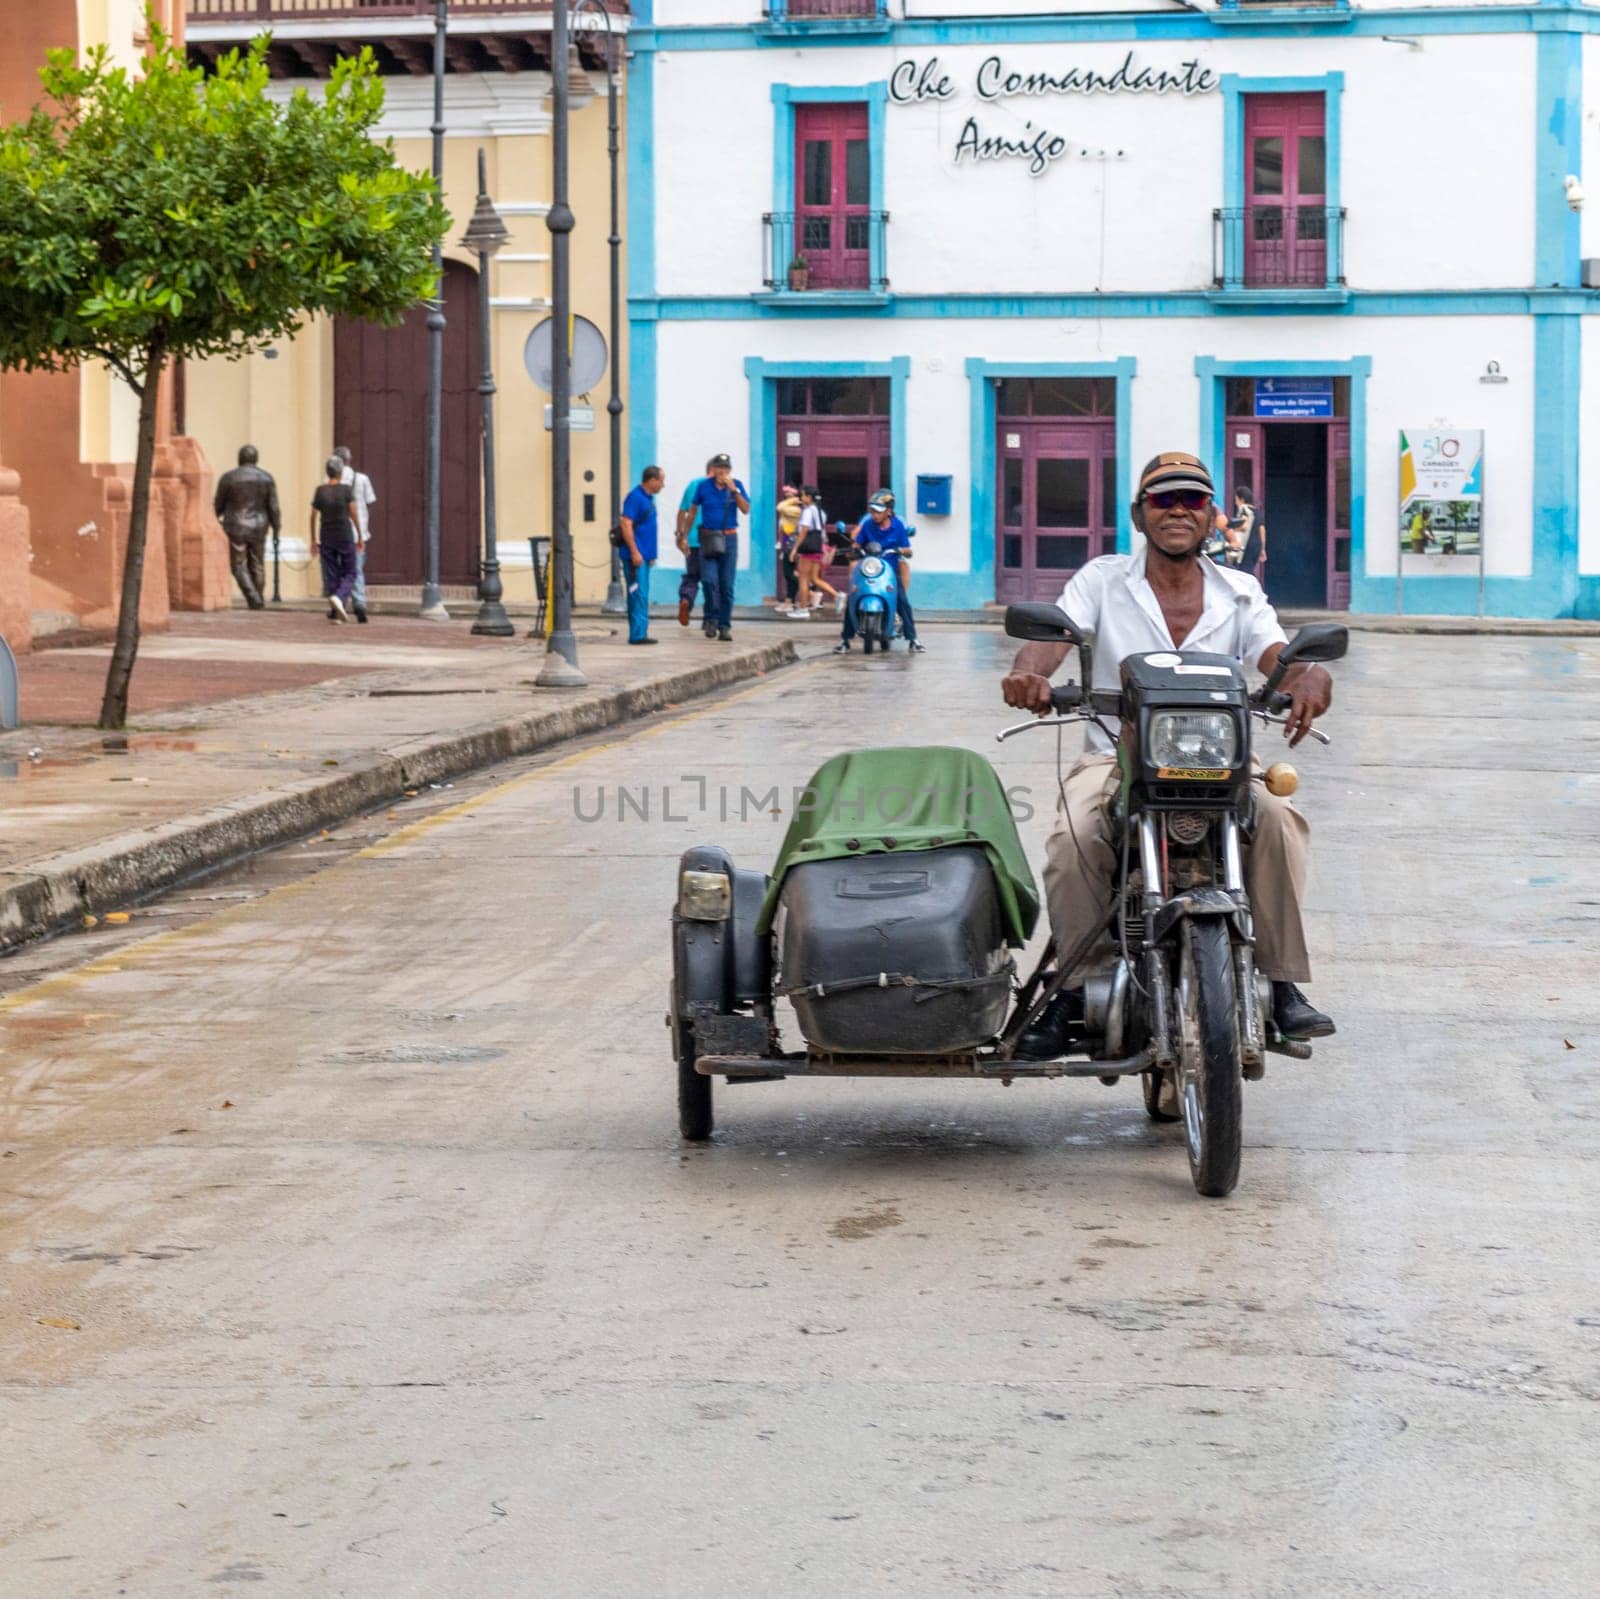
[588, 363]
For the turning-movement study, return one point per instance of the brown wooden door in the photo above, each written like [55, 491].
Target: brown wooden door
[380, 409]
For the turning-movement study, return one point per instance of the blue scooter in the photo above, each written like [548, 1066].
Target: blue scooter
[874, 589]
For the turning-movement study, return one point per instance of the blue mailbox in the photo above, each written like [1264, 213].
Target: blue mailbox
[933, 494]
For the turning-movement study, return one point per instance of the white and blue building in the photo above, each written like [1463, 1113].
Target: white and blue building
[995, 253]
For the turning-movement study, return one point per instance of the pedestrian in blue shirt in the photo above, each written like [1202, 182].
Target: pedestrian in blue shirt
[882, 527]
[687, 538]
[638, 530]
[720, 498]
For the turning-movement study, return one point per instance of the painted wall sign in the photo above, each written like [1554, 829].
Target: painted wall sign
[914, 82]
[1294, 397]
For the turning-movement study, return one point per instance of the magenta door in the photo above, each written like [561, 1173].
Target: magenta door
[833, 220]
[1057, 499]
[1286, 190]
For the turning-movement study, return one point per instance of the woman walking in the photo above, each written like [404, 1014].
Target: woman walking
[809, 553]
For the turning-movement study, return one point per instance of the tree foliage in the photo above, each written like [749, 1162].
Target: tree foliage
[169, 213]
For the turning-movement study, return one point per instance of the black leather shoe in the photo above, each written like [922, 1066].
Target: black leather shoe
[1049, 1035]
[724, 637]
[1295, 1016]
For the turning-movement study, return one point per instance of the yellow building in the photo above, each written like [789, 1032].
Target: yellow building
[366, 387]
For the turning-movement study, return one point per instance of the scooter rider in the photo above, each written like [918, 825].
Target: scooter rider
[1168, 596]
[882, 527]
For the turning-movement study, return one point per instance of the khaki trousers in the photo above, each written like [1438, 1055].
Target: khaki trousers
[1078, 875]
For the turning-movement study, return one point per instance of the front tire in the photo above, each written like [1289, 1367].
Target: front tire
[872, 632]
[1210, 1076]
[695, 1120]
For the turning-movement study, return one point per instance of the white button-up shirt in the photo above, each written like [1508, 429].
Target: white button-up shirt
[1111, 597]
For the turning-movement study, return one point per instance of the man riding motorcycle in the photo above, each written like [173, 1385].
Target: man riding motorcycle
[882, 527]
[1168, 597]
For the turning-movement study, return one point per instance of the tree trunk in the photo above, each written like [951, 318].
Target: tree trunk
[114, 706]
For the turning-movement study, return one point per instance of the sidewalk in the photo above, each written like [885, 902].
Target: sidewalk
[248, 729]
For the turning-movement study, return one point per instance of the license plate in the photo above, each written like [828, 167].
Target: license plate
[1184, 774]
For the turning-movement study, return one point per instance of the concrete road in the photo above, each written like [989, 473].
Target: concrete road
[349, 1247]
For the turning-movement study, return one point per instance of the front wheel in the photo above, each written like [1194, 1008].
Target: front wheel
[695, 1120]
[872, 632]
[1210, 1079]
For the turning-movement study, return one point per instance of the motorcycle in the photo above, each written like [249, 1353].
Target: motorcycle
[890, 935]
[874, 593]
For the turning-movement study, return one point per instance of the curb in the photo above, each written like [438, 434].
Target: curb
[59, 891]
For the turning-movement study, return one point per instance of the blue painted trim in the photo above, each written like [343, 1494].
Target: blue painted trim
[994, 32]
[1234, 87]
[1558, 150]
[1213, 438]
[785, 97]
[1059, 307]
[763, 377]
[641, 252]
[982, 376]
[1557, 386]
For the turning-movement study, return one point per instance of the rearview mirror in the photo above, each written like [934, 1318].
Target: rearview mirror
[1318, 641]
[1043, 624]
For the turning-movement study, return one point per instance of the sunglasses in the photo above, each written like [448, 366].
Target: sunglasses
[1189, 499]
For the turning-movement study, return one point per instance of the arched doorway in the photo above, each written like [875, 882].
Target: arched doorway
[380, 409]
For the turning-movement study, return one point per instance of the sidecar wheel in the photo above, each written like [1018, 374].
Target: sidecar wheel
[1210, 1077]
[1152, 1082]
[695, 1119]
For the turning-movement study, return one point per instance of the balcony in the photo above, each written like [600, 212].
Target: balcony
[308, 36]
[278, 11]
[1279, 253]
[818, 18]
[828, 258]
[832, 10]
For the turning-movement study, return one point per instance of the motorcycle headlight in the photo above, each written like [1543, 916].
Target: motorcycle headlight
[871, 567]
[1199, 740]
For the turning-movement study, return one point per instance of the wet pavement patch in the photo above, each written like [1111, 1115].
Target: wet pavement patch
[417, 1055]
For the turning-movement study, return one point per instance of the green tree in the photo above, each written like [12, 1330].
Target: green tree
[169, 214]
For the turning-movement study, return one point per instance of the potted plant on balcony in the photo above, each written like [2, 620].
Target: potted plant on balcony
[799, 274]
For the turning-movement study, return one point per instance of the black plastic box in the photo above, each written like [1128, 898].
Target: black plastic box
[850, 931]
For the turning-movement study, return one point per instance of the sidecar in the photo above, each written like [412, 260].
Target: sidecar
[889, 923]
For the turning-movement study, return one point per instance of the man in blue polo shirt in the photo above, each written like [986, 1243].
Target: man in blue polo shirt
[638, 528]
[720, 498]
[687, 538]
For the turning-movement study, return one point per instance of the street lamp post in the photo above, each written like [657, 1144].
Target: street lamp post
[485, 234]
[561, 655]
[432, 600]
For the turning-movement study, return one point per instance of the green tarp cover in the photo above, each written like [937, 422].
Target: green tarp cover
[873, 802]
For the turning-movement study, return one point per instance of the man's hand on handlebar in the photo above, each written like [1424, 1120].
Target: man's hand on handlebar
[1310, 691]
[1027, 691]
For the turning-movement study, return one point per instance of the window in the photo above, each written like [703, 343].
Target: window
[1057, 397]
[1286, 190]
[833, 221]
[833, 396]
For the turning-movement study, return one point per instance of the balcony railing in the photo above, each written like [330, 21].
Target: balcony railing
[342, 10]
[802, 10]
[1268, 246]
[839, 252]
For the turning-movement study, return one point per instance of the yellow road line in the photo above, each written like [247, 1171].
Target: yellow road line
[64, 983]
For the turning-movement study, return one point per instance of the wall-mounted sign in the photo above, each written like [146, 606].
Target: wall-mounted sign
[1304, 398]
[914, 82]
[1441, 491]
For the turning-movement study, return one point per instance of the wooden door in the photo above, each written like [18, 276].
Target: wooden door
[1286, 190]
[380, 409]
[1339, 516]
[833, 163]
[846, 459]
[1057, 497]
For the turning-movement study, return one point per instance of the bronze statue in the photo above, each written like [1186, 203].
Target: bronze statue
[246, 504]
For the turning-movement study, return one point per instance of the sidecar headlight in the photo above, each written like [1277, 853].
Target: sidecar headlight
[1194, 740]
[704, 896]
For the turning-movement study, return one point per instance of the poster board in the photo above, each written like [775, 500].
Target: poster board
[1441, 510]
